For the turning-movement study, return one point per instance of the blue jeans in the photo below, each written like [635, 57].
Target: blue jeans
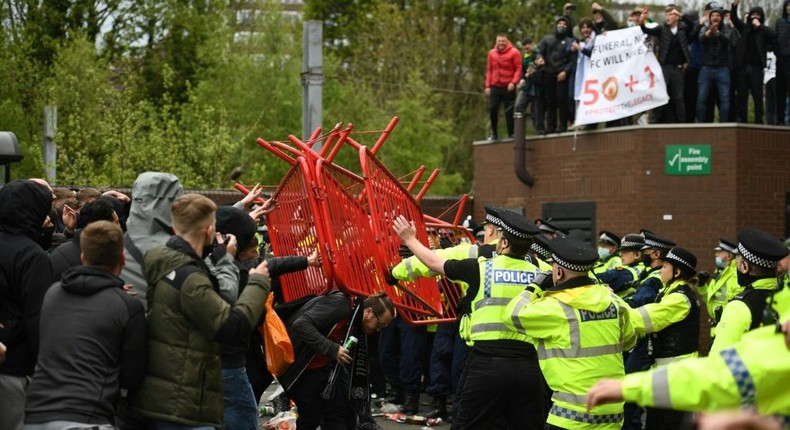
[162, 425]
[720, 76]
[240, 409]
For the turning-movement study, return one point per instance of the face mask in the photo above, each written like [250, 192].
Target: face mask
[646, 259]
[603, 253]
[720, 263]
[631, 24]
[746, 279]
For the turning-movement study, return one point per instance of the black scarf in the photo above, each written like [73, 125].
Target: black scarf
[359, 386]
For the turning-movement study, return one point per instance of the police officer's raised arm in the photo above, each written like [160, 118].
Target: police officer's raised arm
[408, 235]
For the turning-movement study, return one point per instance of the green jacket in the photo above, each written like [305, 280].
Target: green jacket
[187, 319]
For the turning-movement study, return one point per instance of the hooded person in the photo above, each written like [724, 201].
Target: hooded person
[148, 225]
[750, 60]
[25, 276]
[92, 339]
[557, 60]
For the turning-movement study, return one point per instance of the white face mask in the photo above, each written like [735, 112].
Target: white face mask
[603, 253]
[720, 262]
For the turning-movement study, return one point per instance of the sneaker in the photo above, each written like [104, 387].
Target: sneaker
[493, 138]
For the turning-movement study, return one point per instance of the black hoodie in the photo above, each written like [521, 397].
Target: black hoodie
[753, 44]
[92, 346]
[782, 45]
[25, 272]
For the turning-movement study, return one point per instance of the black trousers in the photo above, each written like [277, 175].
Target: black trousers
[675, 110]
[497, 97]
[557, 103]
[690, 94]
[494, 387]
[750, 80]
[315, 411]
[782, 87]
[661, 419]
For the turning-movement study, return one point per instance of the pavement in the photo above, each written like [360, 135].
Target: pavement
[385, 423]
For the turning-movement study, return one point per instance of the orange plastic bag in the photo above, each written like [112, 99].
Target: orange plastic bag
[276, 343]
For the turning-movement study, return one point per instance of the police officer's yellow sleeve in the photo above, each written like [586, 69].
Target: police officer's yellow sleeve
[538, 318]
[692, 384]
[629, 331]
[735, 321]
[654, 317]
[754, 372]
[412, 268]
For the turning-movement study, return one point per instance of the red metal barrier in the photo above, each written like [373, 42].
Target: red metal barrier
[296, 228]
[349, 217]
[387, 199]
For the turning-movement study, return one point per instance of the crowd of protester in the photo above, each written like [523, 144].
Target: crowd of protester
[713, 63]
[141, 313]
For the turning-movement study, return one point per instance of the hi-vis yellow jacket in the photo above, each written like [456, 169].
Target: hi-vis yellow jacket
[754, 371]
[411, 268]
[737, 318]
[501, 279]
[722, 290]
[580, 330]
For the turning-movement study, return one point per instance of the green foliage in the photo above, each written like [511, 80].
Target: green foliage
[180, 86]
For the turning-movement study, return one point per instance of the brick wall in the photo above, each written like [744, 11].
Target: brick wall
[623, 172]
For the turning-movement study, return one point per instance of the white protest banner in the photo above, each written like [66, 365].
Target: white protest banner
[623, 78]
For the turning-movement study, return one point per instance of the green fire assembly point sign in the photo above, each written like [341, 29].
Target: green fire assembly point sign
[687, 160]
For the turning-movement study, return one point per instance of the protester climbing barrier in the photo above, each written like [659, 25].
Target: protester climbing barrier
[348, 217]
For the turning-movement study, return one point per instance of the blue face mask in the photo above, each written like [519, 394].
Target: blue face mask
[603, 253]
[720, 263]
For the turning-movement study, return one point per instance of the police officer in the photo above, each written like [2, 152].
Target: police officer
[580, 330]
[622, 278]
[759, 253]
[501, 377]
[448, 346]
[753, 372]
[649, 285]
[607, 252]
[411, 268]
[672, 322]
[647, 289]
[725, 286]
[540, 253]
[549, 230]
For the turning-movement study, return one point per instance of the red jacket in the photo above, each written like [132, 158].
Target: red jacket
[503, 67]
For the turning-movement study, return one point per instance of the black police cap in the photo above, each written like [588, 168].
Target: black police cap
[632, 242]
[608, 237]
[760, 248]
[492, 216]
[653, 240]
[548, 227]
[680, 257]
[541, 247]
[726, 245]
[572, 254]
[516, 225]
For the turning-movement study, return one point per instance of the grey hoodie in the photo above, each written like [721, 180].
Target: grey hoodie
[149, 223]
